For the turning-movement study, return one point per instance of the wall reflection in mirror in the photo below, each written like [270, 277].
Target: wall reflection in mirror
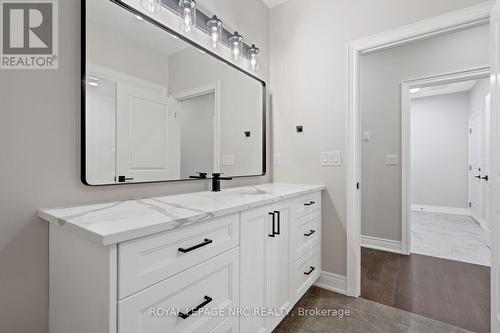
[160, 109]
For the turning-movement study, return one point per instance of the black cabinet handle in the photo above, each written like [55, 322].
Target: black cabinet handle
[187, 315]
[279, 223]
[485, 178]
[273, 222]
[478, 177]
[205, 243]
[310, 271]
[310, 203]
[309, 234]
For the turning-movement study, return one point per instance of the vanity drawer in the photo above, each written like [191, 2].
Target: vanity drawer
[159, 309]
[305, 272]
[146, 261]
[306, 232]
[231, 325]
[307, 204]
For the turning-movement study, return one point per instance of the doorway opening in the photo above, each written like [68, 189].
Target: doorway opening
[448, 170]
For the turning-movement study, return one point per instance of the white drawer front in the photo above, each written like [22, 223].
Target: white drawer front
[146, 261]
[306, 232]
[310, 263]
[307, 204]
[231, 325]
[215, 282]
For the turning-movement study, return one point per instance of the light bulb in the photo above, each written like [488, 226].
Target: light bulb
[188, 15]
[152, 6]
[236, 43]
[253, 52]
[214, 28]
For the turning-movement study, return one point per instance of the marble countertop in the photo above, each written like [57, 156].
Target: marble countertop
[115, 222]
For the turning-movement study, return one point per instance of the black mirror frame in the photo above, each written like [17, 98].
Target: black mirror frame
[83, 129]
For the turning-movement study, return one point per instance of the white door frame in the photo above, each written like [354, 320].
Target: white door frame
[454, 21]
[213, 87]
[406, 86]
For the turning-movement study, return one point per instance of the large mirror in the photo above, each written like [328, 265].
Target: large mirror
[158, 108]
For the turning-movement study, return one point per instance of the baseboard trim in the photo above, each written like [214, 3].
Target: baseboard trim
[332, 282]
[439, 209]
[387, 245]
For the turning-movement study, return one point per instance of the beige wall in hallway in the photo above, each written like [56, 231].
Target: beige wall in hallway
[308, 87]
[40, 160]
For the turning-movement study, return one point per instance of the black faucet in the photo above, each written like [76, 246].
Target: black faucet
[201, 175]
[216, 178]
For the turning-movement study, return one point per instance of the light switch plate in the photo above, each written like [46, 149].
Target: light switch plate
[391, 159]
[228, 160]
[365, 136]
[276, 159]
[331, 158]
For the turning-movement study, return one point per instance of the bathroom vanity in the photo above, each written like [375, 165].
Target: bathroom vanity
[240, 257]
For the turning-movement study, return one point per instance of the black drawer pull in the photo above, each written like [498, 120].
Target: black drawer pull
[187, 315]
[309, 234]
[279, 223]
[205, 243]
[310, 203]
[273, 222]
[310, 271]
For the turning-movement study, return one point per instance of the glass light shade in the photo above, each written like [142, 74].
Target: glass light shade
[236, 44]
[188, 15]
[253, 53]
[214, 27]
[152, 6]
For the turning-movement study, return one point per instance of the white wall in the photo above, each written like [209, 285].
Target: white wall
[381, 77]
[40, 161]
[308, 83]
[439, 150]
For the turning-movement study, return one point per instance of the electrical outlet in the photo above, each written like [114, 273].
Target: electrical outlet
[228, 160]
[391, 160]
[276, 159]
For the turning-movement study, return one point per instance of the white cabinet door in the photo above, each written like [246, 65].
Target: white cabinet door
[278, 265]
[255, 229]
[147, 135]
[265, 266]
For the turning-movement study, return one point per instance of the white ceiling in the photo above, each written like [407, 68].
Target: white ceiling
[273, 3]
[444, 89]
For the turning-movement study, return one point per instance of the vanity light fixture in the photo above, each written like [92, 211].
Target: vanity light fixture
[236, 44]
[214, 26]
[152, 6]
[253, 52]
[188, 15]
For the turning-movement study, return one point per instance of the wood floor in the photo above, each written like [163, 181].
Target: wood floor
[449, 291]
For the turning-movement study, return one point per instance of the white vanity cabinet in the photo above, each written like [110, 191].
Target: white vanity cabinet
[229, 268]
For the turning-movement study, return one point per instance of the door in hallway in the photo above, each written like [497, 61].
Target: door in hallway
[476, 168]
